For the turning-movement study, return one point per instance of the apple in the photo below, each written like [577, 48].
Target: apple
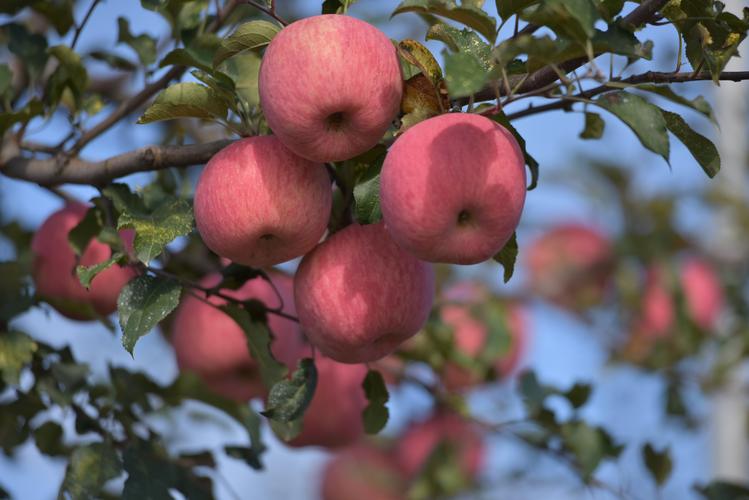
[470, 334]
[570, 266]
[452, 188]
[419, 442]
[363, 472]
[210, 343]
[54, 265]
[259, 204]
[702, 292]
[334, 416]
[359, 295]
[330, 86]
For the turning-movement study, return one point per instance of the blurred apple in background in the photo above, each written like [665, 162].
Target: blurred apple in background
[362, 472]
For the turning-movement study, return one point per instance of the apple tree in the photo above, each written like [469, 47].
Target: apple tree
[385, 165]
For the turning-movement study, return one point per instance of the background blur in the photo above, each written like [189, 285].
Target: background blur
[627, 401]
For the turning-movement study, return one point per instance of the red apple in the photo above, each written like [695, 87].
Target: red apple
[334, 417]
[210, 343]
[330, 86]
[362, 472]
[54, 268]
[570, 266]
[453, 188]
[359, 295]
[259, 204]
[418, 442]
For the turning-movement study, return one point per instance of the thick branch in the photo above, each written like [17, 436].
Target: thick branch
[54, 171]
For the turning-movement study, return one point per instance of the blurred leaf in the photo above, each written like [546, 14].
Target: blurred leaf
[258, 342]
[245, 454]
[90, 467]
[185, 100]
[16, 351]
[572, 19]
[467, 14]
[86, 274]
[723, 490]
[288, 399]
[532, 391]
[645, 119]
[508, 8]
[70, 74]
[113, 60]
[59, 13]
[32, 109]
[464, 74]
[143, 45]
[578, 395]
[507, 257]
[154, 230]
[87, 229]
[658, 463]
[6, 79]
[30, 48]
[594, 125]
[702, 148]
[590, 445]
[286, 431]
[336, 6]
[183, 57]
[48, 438]
[248, 36]
[530, 161]
[15, 292]
[142, 303]
[376, 413]
[462, 41]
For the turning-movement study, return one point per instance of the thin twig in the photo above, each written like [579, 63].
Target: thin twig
[270, 11]
[80, 27]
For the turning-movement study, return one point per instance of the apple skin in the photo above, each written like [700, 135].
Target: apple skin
[452, 188]
[359, 295]
[362, 472]
[209, 343]
[259, 204]
[54, 265]
[334, 416]
[330, 86]
[420, 440]
[570, 266]
[703, 296]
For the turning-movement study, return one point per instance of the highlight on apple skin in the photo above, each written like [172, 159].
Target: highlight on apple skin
[453, 188]
[211, 344]
[334, 416]
[325, 100]
[54, 263]
[259, 204]
[571, 266]
[362, 471]
[359, 295]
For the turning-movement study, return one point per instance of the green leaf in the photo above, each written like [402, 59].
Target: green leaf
[258, 341]
[578, 395]
[155, 230]
[185, 100]
[48, 438]
[507, 257]
[59, 13]
[658, 463]
[143, 45]
[16, 351]
[462, 41]
[86, 274]
[466, 14]
[508, 8]
[590, 445]
[336, 6]
[248, 36]
[594, 125]
[571, 19]
[247, 455]
[367, 201]
[288, 399]
[723, 490]
[87, 229]
[15, 292]
[702, 148]
[30, 48]
[464, 74]
[183, 57]
[70, 74]
[244, 70]
[113, 60]
[142, 303]
[376, 414]
[90, 467]
[6, 79]
[530, 161]
[645, 119]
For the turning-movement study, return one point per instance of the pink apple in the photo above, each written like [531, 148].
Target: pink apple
[702, 292]
[54, 267]
[362, 472]
[418, 442]
[330, 86]
[453, 188]
[359, 295]
[259, 204]
[570, 265]
[210, 343]
[334, 417]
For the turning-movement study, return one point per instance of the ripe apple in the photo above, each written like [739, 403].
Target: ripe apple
[334, 416]
[54, 265]
[570, 266]
[359, 295]
[419, 441]
[210, 343]
[363, 472]
[702, 292]
[330, 86]
[453, 188]
[259, 204]
[470, 334]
